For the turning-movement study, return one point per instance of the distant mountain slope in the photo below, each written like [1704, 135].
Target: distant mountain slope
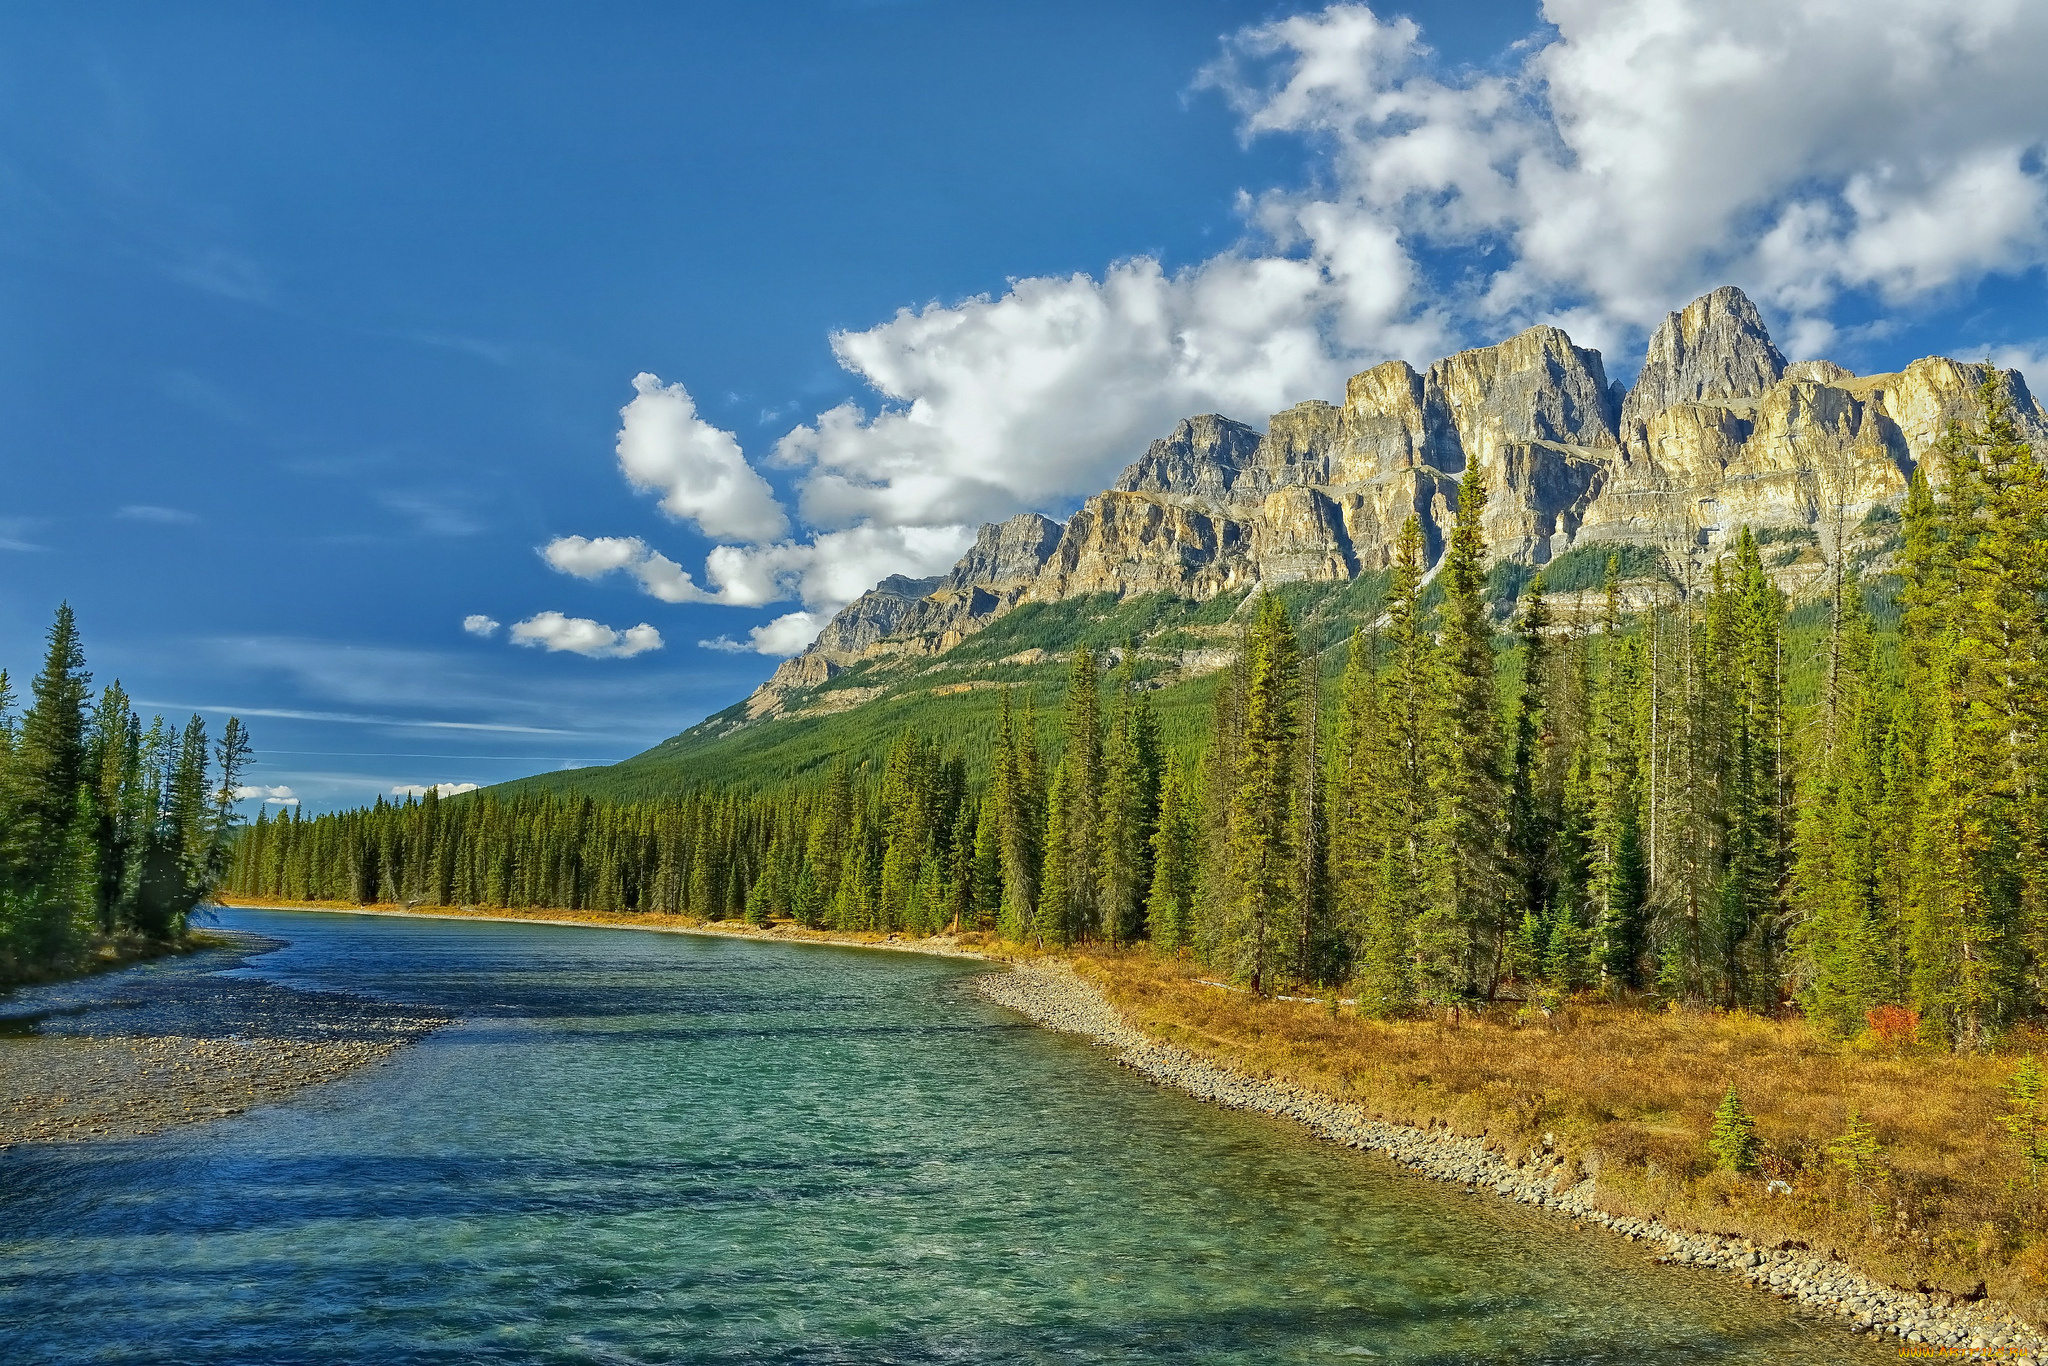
[1717, 433]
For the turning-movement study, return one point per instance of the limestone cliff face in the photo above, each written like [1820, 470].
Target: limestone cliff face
[1199, 462]
[1716, 433]
[1715, 349]
[862, 625]
[1816, 444]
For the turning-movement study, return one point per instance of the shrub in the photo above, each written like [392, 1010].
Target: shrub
[2025, 1117]
[1733, 1141]
[1894, 1026]
[1857, 1151]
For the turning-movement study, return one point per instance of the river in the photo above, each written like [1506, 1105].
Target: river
[667, 1148]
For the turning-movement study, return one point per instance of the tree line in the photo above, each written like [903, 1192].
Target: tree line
[1624, 803]
[110, 832]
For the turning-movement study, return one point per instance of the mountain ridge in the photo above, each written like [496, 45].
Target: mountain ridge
[1718, 431]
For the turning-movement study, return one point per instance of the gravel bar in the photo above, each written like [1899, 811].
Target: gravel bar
[1052, 994]
[175, 1041]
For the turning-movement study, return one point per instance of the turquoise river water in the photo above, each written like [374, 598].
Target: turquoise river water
[663, 1148]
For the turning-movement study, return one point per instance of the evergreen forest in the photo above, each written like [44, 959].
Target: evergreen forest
[110, 833]
[1622, 802]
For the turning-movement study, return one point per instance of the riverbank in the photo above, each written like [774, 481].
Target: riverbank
[1448, 1104]
[1468, 1104]
[109, 954]
[968, 945]
[1056, 996]
[173, 1042]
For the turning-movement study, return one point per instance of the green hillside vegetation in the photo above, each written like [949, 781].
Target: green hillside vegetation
[926, 695]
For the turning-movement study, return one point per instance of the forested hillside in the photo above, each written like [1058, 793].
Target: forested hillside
[1639, 803]
[110, 833]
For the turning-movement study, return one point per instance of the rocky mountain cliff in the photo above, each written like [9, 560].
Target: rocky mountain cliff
[1718, 432]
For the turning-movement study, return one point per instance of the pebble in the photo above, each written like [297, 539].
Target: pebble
[1051, 993]
[135, 1052]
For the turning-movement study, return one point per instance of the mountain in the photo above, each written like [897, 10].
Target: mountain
[1718, 432]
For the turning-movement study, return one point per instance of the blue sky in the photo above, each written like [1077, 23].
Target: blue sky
[316, 322]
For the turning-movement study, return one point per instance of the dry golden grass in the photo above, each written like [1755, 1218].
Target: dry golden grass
[1631, 1095]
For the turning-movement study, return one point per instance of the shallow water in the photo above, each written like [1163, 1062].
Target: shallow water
[655, 1148]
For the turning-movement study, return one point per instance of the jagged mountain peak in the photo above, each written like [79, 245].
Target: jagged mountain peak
[1201, 459]
[1715, 348]
[1718, 432]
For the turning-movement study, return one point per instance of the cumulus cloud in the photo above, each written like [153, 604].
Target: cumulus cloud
[1624, 158]
[698, 470]
[1648, 149]
[594, 557]
[477, 624]
[439, 789]
[580, 635]
[279, 795]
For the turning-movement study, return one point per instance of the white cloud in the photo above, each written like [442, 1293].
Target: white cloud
[995, 405]
[787, 634]
[1649, 149]
[279, 795]
[580, 635]
[421, 789]
[1627, 157]
[595, 557]
[144, 512]
[477, 624]
[698, 469]
[825, 573]
[2029, 358]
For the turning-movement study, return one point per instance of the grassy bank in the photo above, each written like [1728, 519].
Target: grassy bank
[108, 953]
[1944, 1200]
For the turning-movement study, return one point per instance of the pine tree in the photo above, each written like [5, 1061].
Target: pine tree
[1260, 930]
[1015, 793]
[1356, 838]
[1979, 898]
[1175, 860]
[1530, 816]
[1399, 759]
[1461, 933]
[1053, 922]
[1081, 787]
[1842, 941]
[1733, 1141]
[1619, 873]
[987, 888]
[1129, 809]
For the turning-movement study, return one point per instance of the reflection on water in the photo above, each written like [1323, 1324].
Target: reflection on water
[652, 1148]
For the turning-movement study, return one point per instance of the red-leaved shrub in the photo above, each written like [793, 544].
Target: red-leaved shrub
[1894, 1025]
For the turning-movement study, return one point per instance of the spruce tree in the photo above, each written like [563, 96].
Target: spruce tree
[1260, 928]
[1175, 861]
[1018, 802]
[1080, 777]
[1129, 809]
[1461, 933]
[1399, 760]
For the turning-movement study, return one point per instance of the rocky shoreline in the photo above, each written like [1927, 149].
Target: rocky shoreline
[175, 1042]
[1052, 994]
